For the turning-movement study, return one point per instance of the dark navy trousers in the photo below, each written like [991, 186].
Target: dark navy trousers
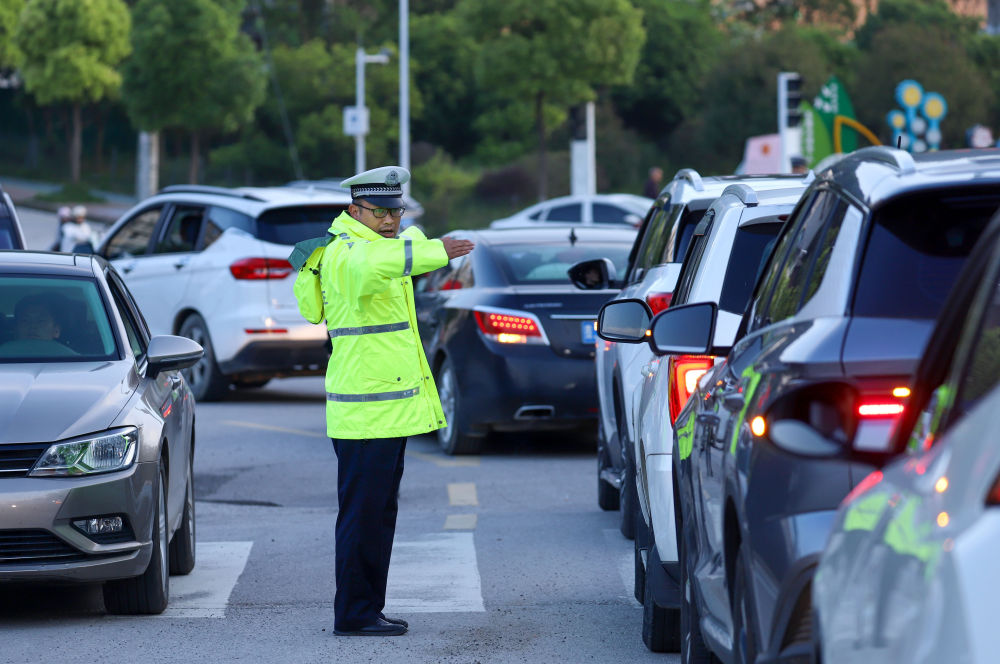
[368, 475]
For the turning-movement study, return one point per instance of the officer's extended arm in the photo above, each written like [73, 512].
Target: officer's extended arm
[371, 265]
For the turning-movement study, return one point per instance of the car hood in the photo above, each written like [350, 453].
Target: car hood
[42, 402]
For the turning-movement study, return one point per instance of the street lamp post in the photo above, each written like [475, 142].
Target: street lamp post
[356, 119]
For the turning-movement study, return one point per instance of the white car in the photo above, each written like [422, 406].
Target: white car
[618, 209]
[210, 263]
[11, 236]
[909, 573]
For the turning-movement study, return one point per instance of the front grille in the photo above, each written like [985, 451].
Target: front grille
[17, 459]
[34, 547]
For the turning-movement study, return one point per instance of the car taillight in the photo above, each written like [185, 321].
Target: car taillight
[864, 485]
[451, 284]
[685, 371]
[658, 301]
[993, 497]
[261, 268]
[510, 328]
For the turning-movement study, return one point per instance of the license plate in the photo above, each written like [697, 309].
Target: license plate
[588, 332]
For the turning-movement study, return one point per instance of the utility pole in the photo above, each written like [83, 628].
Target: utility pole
[147, 171]
[404, 88]
[356, 117]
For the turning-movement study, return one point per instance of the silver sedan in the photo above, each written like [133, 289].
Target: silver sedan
[96, 434]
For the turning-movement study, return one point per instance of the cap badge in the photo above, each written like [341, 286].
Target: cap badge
[392, 179]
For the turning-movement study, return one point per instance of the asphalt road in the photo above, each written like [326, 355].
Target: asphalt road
[499, 558]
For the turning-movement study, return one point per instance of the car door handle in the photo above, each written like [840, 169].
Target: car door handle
[181, 263]
[733, 401]
[127, 268]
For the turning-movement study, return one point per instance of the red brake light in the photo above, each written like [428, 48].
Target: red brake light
[451, 284]
[658, 301]
[872, 408]
[685, 371]
[993, 497]
[510, 328]
[261, 268]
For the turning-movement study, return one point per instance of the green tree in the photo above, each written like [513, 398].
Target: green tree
[682, 46]
[10, 10]
[70, 53]
[984, 49]
[933, 14]
[550, 55]
[192, 69]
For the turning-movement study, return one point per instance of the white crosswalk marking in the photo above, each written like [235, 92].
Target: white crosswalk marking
[204, 593]
[434, 573]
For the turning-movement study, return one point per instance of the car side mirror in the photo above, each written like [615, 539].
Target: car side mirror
[624, 320]
[169, 353]
[83, 248]
[633, 220]
[596, 274]
[814, 420]
[685, 329]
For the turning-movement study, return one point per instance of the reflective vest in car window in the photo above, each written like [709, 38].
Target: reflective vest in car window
[378, 382]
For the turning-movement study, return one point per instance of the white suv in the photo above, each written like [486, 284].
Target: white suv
[210, 263]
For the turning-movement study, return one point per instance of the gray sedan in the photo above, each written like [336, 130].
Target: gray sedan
[96, 434]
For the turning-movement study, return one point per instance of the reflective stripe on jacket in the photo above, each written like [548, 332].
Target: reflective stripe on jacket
[378, 382]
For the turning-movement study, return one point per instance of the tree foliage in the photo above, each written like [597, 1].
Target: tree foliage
[10, 11]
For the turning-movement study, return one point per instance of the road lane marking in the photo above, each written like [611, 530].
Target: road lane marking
[625, 562]
[436, 573]
[444, 462]
[204, 593]
[462, 494]
[269, 427]
[460, 522]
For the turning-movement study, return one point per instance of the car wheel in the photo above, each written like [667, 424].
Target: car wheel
[693, 648]
[182, 546]
[204, 378]
[660, 625]
[451, 438]
[744, 646]
[147, 593]
[607, 494]
[628, 501]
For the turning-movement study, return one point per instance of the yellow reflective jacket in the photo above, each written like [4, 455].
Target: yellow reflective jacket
[378, 382]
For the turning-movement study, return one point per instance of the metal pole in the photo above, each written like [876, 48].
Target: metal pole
[785, 166]
[404, 87]
[591, 150]
[359, 102]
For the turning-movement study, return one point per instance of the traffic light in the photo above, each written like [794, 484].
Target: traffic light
[789, 97]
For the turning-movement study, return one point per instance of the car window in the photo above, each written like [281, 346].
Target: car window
[289, 225]
[135, 338]
[791, 281]
[7, 237]
[218, 219]
[53, 319]
[692, 261]
[610, 214]
[181, 233]
[916, 247]
[681, 232]
[654, 239]
[535, 215]
[572, 212]
[132, 239]
[982, 372]
[751, 249]
[540, 263]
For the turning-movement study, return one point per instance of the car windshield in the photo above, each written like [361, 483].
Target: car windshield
[8, 240]
[289, 225]
[916, 248]
[751, 249]
[53, 319]
[547, 264]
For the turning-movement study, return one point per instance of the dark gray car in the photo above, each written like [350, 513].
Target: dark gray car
[96, 434]
[851, 292]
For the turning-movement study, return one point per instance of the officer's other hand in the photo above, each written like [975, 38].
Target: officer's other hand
[455, 248]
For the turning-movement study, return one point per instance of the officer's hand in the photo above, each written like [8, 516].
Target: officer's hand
[455, 248]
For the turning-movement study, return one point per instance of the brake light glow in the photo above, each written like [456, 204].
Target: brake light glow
[864, 485]
[510, 328]
[684, 373]
[451, 284]
[658, 301]
[758, 426]
[901, 392]
[879, 409]
[261, 268]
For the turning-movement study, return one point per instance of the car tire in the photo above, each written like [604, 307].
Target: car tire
[250, 384]
[660, 625]
[149, 592]
[451, 438]
[182, 546]
[607, 495]
[628, 501]
[205, 380]
[638, 574]
[744, 639]
[693, 648]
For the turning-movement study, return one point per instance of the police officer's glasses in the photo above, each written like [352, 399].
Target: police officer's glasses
[380, 212]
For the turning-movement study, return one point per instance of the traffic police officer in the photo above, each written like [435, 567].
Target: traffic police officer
[379, 387]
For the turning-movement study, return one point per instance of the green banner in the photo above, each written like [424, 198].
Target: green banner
[816, 140]
[832, 101]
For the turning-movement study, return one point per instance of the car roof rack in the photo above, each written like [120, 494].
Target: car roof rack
[743, 192]
[206, 189]
[326, 185]
[691, 176]
[900, 159]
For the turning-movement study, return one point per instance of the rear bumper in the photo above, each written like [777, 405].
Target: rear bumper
[280, 345]
[49, 505]
[275, 358]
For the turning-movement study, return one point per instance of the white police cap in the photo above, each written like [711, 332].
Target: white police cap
[381, 186]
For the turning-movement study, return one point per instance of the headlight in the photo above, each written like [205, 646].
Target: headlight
[110, 451]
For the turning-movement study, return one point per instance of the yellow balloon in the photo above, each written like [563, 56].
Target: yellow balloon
[933, 108]
[911, 95]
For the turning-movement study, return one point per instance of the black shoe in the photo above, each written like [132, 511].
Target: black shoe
[394, 621]
[378, 628]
